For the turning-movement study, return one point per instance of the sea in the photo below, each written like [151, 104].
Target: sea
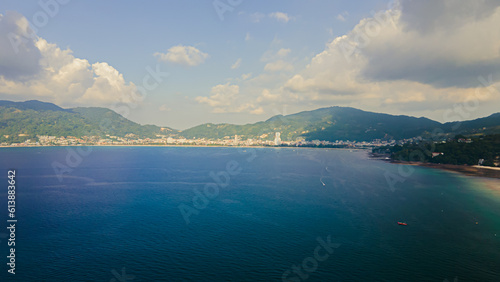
[242, 214]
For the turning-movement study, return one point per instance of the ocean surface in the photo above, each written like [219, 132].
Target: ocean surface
[243, 214]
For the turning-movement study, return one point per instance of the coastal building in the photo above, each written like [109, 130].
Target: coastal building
[277, 139]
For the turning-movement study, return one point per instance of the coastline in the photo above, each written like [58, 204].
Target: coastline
[197, 146]
[189, 146]
[491, 185]
[479, 171]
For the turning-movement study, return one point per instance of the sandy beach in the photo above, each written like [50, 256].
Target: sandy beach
[492, 184]
[481, 171]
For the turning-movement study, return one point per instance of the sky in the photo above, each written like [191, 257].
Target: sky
[183, 63]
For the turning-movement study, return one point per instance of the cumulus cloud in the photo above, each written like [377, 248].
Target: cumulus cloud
[164, 108]
[246, 76]
[257, 111]
[448, 15]
[108, 86]
[267, 97]
[283, 52]
[276, 60]
[253, 93]
[183, 55]
[41, 70]
[221, 97]
[449, 48]
[280, 16]
[279, 65]
[342, 17]
[394, 60]
[257, 17]
[226, 98]
[19, 57]
[236, 64]
[272, 55]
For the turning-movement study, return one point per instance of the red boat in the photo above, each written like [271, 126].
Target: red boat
[402, 223]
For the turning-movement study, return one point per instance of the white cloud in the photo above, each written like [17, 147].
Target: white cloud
[164, 108]
[257, 111]
[56, 75]
[19, 57]
[226, 98]
[342, 17]
[236, 64]
[247, 37]
[108, 86]
[283, 52]
[391, 63]
[275, 60]
[246, 76]
[267, 97]
[445, 14]
[271, 55]
[221, 97]
[257, 17]
[183, 55]
[278, 66]
[280, 16]
[450, 49]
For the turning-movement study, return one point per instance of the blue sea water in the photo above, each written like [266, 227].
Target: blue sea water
[116, 214]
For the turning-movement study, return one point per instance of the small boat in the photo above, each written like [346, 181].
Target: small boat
[402, 223]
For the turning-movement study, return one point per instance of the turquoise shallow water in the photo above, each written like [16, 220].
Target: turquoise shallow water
[116, 215]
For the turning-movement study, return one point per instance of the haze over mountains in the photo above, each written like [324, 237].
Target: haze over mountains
[33, 118]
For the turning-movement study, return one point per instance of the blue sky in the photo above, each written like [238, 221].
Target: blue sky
[261, 59]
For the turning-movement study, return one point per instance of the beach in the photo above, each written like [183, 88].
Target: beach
[481, 171]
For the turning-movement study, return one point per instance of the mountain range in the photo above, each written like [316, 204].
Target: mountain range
[20, 120]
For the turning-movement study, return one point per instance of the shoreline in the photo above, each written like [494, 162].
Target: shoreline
[479, 171]
[179, 146]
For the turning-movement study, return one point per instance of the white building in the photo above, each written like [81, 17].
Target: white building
[277, 139]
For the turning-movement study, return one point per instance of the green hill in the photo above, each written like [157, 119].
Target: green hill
[334, 123]
[117, 125]
[457, 151]
[25, 120]
[486, 125]
[32, 105]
